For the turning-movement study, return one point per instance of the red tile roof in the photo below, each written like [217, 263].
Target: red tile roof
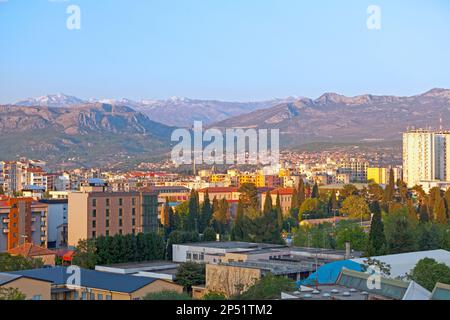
[30, 250]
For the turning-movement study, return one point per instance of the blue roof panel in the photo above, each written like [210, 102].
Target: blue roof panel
[90, 279]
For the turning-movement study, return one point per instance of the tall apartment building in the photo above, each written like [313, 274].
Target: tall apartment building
[355, 168]
[93, 212]
[22, 220]
[426, 156]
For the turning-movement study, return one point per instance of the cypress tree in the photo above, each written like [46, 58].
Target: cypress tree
[238, 232]
[192, 221]
[412, 213]
[315, 191]
[423, 213]
[301, 192]
[377, 239]
[268, 203]
[389, 192]
[439, 212]
[205, 214]
[279, 211]
[294, 199]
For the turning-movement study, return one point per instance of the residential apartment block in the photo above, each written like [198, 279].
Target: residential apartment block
[426, 156]
[95, 212]
[22, 220]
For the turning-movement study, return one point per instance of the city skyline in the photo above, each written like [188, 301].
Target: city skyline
[158, 50]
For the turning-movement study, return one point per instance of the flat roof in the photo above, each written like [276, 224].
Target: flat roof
[138, 265]
[232, 245]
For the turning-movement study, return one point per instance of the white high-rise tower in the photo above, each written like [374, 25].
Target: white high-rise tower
[426, 156]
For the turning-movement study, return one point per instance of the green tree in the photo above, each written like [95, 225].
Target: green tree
[301, 192]
[249, 196]
[209, 234]
[375, 192]
[294, 200]
[167, 295]
[400, 233]
[428, 272]
[85, 255]
[206, 214]
[267, 288]
[268, 203]
[348, 190]
[439, 211]
[412, 213]
[11, 294]
[221, 219]
[279, 211]
[311, 208]
[352, 232]
[315, 191]
[430, 236]
[239, 230]
[16, 263]
[389, 191]
[214, 296]
[190, 274]
[193, 217]
[376, 245]
[178, 237]
[355, 207]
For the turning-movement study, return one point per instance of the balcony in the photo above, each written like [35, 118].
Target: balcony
[6, 230]
[6, 220]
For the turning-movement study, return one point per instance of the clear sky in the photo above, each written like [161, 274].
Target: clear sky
[222, 49]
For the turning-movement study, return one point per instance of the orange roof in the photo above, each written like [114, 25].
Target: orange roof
[283, 191]
[30, 250]
[219, 189]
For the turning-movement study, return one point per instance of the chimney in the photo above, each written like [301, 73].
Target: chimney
[347, 250]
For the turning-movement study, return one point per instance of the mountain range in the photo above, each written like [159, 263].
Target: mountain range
[337, 118]
[175, 111]
[87, 134]
[66, 129]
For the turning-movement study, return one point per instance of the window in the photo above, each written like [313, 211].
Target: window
[120, 212]
[92, 296]
[99, 296]
[36, 297]
[133, 231]
[188, 256]
[94, 213]
[94, 224]
[107, 233]
[94, 234]
[84, 296]
[120, 231]
[120, 223]
[133, 211]
[120, 201]
[107, 202]
[133, 222]
[108, 297]
[133, 201]
[107, 212]
[94, 202]
[107, 223]
[75, 295]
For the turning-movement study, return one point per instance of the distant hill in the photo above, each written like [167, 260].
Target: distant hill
[337, 118]
[175, 111]
[86, 134]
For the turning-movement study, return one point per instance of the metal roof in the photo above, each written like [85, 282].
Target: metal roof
[89, 279]
[403, 263]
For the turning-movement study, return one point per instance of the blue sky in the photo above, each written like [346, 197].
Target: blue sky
[222, 49]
